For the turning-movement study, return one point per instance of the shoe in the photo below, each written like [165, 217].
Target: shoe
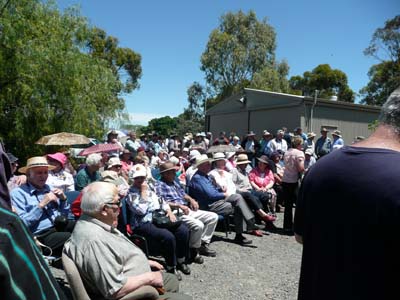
[183, 268]
[206, 251]
[288, 232]
[241, 240]
[198, 259]
[256, 233]
[269, 226]
[268, 218]
[176, 273]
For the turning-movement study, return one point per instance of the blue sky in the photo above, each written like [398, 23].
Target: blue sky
[171, 36]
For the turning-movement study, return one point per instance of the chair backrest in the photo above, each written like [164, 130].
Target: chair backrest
[74, 278]
[79, 292]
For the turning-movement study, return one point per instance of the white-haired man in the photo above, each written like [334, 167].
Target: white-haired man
[110, 265]
[90, 173]
[354, 253]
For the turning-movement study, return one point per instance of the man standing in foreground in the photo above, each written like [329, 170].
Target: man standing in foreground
[353, 253]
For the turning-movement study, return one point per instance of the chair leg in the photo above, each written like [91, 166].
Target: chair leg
[226, 226]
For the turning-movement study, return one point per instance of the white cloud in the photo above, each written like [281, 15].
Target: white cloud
[143, 118]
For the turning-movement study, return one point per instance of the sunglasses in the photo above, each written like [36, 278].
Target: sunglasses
[118, 203]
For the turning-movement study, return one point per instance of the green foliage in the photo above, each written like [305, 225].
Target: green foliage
[240, 50]
[272, 79]
[385, 76]
[326, 80]
[163, 126]
[49, 81]
[187, 123]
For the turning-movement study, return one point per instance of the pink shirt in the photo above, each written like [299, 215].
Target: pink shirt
[261, 179]
[292, 158]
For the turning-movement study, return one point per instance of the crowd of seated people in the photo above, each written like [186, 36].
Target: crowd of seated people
[248, 183]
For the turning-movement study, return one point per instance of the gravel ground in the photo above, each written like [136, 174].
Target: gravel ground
[268, 269]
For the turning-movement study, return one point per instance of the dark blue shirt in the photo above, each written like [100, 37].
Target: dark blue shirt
[202, 189]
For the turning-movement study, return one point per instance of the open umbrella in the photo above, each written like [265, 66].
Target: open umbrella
[63, 139]
[99, 148]
[221, 148]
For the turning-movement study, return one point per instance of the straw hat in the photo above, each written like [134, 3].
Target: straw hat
[242, 159]
[311, 135]
[114, 161]
[35, 162]
[228, 155]
[218, 156]
[201, 159]
[263, 159]
[337, 133]
[167, 166]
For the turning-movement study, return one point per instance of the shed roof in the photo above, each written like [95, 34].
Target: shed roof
[250, 99]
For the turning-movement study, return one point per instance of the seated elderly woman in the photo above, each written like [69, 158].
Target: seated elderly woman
[173, 242]
[90, 173]
[110, 265]
[58, 177]
[262, 180]
[244, 188]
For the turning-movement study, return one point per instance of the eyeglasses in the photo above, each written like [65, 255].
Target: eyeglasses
[118, 203]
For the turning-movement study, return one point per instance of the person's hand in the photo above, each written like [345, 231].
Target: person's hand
[172, 217]
[60, 194]
[185, 209]
[49, 197]
[156, 279]
[20, 180]
[194, 205]
[155, 265]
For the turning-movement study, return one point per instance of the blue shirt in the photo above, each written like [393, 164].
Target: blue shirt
[202, 189]
[26, 198]
[171, 192]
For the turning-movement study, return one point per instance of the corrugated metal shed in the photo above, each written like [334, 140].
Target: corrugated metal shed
[258, 110]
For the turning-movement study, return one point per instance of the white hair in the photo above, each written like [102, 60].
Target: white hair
[95, 195]
[390, 112]
[93, 159]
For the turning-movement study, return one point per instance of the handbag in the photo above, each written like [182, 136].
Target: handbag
[161, 219]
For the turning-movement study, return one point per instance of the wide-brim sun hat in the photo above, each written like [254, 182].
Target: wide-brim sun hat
[311, 135]
[60, 157]
[114, 161]
[337, 133]
[228, 155]
[218, 156]
[11, 157]
[193, 154]
[203, 158]
[35, 162]
[167, 166]
[242, 159]
[263, 159]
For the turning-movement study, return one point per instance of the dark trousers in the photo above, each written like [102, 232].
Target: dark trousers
[289, 195]
[55, 238]
[263, 198]
[171, 243]
[252, 200]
